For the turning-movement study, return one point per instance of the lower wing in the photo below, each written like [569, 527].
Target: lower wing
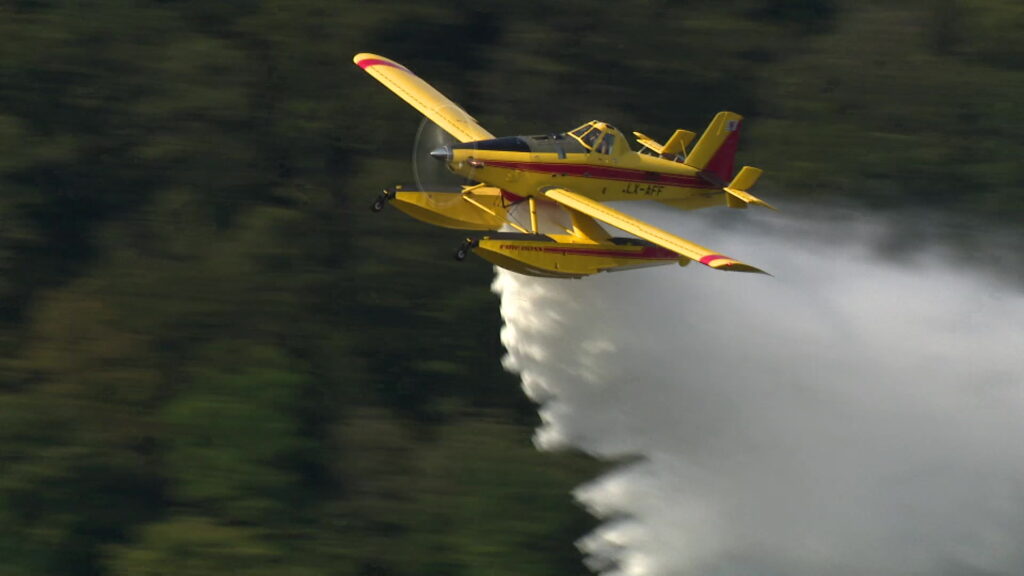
[641, 229]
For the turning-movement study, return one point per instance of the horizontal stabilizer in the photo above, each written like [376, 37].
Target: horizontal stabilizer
[743, 181]
[648, 142]
[676, 144]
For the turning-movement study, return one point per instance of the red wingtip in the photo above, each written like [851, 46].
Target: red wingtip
[370, 60]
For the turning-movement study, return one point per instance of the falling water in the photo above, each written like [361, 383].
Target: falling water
[857, 413]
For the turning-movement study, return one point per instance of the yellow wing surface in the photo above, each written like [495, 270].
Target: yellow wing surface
[643, 230]
[423, 97]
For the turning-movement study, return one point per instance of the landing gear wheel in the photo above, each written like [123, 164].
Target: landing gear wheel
[378, 204]
[464, 249]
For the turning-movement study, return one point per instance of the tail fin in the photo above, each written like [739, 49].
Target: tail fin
[716, 149]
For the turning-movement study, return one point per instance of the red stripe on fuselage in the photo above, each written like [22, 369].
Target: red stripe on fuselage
[364, 64]
[605, 173]
[646, 253]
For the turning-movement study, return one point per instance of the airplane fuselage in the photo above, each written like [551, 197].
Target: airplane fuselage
[617, 176]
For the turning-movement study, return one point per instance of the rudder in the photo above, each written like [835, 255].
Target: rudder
[715, 152]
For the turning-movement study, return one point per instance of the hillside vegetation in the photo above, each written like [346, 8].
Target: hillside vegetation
[215, 359]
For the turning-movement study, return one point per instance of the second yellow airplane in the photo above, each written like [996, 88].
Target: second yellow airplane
[546, 192]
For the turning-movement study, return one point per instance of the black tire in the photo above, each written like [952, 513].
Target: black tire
[461, 253]
[378, 205]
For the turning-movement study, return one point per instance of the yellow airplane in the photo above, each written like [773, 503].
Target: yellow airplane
[551, 188]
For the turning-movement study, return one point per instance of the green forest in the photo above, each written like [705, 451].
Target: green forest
[215, 359]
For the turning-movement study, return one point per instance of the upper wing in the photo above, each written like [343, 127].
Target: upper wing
[646, 231]
[423, 97]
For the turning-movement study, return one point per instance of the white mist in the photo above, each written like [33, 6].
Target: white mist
[852, 415]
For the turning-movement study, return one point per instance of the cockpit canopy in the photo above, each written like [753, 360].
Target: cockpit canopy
[593, 136]
[599, 137]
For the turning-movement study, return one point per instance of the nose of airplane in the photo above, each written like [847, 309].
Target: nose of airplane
[443, 153]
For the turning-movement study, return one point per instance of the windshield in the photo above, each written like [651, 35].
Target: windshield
[590, 137]
[596, 136]
[588, 134]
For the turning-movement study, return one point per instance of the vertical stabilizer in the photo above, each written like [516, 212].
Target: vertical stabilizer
[716, 149]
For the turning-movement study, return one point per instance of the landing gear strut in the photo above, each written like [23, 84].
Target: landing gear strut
[464, 249]
[378, 204]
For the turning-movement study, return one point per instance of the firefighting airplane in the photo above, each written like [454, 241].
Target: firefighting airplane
[578, 171]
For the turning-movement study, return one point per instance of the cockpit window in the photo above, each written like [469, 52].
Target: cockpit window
[590, 138]
[596, 136]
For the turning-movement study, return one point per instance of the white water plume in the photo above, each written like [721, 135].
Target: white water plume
[852, 415]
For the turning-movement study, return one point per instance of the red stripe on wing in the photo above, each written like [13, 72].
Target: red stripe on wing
[707, 260]
[364, 64]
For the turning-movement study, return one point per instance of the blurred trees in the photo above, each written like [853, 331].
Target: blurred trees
[213, 358]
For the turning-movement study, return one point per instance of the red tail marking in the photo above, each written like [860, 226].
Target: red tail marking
[721, 164]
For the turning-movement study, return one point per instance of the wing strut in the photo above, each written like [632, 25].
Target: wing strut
[533, 214]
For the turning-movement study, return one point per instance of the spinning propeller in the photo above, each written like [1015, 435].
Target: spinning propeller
[429, 170]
